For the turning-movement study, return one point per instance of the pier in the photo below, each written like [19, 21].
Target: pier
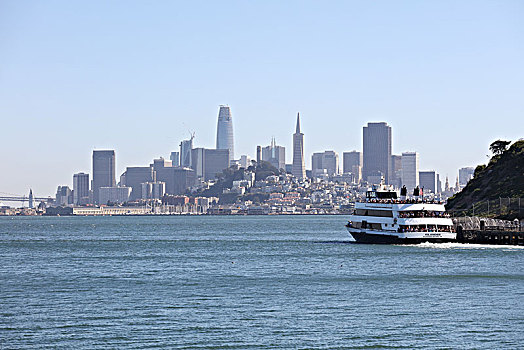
[500, 232]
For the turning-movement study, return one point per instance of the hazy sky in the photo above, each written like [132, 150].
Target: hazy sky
[137, 76]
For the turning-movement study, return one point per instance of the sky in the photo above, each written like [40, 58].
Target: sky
[139, 76]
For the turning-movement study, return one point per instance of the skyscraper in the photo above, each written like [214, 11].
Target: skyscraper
[207, 163]
[175, 158]
[80, 188]
[410, 173]
[276, 155]
[103, 171]
[351, 159]
[465, 174]
[299, 168]
[327, 160]
[185, 152]
[225, 138]
[377, 150]
[428, 181]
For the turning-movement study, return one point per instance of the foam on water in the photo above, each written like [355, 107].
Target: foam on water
[453, 245]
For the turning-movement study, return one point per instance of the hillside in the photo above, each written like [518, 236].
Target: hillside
[503, 177]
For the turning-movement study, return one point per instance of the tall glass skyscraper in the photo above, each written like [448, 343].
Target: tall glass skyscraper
[225, 138]
[299, 169]
[103, 171]
[377, 151]
[185, 152]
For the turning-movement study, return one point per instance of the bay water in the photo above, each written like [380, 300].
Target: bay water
[248, 282]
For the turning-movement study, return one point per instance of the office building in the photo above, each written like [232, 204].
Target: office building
[225, 138]
[351, 159]
[64, 196]
[80, 189]
[428, 181]
[395, 178]
[439, 185]
[114, 195]
[465, 174]
[153, 190]
[134, 177]
[276, 155]
[244, 161]
[175, 158]
[410, 166]
[185, 152]
[376, 150]
[104, 172]
[299, 167]
[327, 161]
[207, 163]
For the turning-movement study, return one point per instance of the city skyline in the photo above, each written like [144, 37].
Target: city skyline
[71, 87]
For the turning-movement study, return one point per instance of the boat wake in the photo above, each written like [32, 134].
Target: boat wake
[453, 245]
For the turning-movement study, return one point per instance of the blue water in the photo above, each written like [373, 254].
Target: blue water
[248, 283]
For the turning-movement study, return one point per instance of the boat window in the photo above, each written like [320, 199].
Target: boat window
[372, 212]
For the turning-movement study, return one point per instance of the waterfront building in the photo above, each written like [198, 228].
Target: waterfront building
[225, 138]
[80, 189]
[299, 167]
[276, 155]
[465, 174]
[327, 161]
[175, 158]
[376, 150]
[114, 195]
[410, 172]
[428, 181]
[207, 163]
[103, 171]
[185, 152]
[134, 177]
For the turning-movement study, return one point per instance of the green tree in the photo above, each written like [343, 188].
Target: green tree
[499, 146]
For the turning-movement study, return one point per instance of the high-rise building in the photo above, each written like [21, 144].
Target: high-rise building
[153, 190]
[225, 138]
[175, 158]
[299, 167]
[439, 184]
[135, 177]
[185, 152]
[177, 179]
[327, 161]
[395, 178]
[276, 155]
[103, 172]
[428, 181]
[376, 150]
[410, 165]
[351, 159]
[114, 195]
[259, 154]
[207, 163]
[245, 161]
[80, 189]
[64, 196]
[465, 174]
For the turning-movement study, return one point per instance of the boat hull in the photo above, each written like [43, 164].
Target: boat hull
[374, 238]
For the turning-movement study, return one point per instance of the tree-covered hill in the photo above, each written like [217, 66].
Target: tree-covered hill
[500, 179]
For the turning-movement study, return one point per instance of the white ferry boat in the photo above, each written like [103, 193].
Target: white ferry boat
[383, 218]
